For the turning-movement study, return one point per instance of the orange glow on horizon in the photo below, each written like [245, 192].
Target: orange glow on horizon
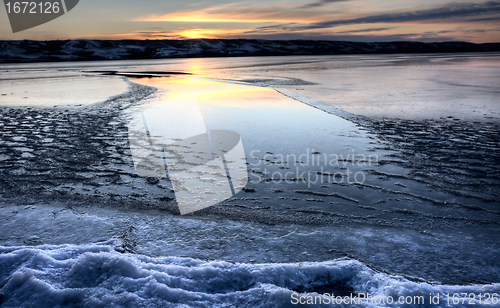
[182, 34]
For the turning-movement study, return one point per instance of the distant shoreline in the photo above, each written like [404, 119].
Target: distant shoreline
[27, 51]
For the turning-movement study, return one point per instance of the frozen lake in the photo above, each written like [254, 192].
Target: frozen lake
[391, 161]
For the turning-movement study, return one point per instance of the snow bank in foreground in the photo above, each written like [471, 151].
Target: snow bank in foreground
[97, 275]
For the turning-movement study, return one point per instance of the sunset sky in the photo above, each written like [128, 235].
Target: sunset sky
[354, 20]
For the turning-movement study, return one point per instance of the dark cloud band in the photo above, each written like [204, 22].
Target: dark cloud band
[450, 10]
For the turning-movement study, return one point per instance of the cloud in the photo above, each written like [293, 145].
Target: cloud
[316, 21]
[241, 13]
[365, 30]
[447, 11]
[496, 18]
[319, 3]
[248, 12]
[335, 36]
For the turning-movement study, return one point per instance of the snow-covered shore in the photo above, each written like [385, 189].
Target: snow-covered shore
[78, 50]
[99, 275]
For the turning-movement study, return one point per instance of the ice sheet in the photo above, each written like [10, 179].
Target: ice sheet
[59, 92]
[428, 209]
